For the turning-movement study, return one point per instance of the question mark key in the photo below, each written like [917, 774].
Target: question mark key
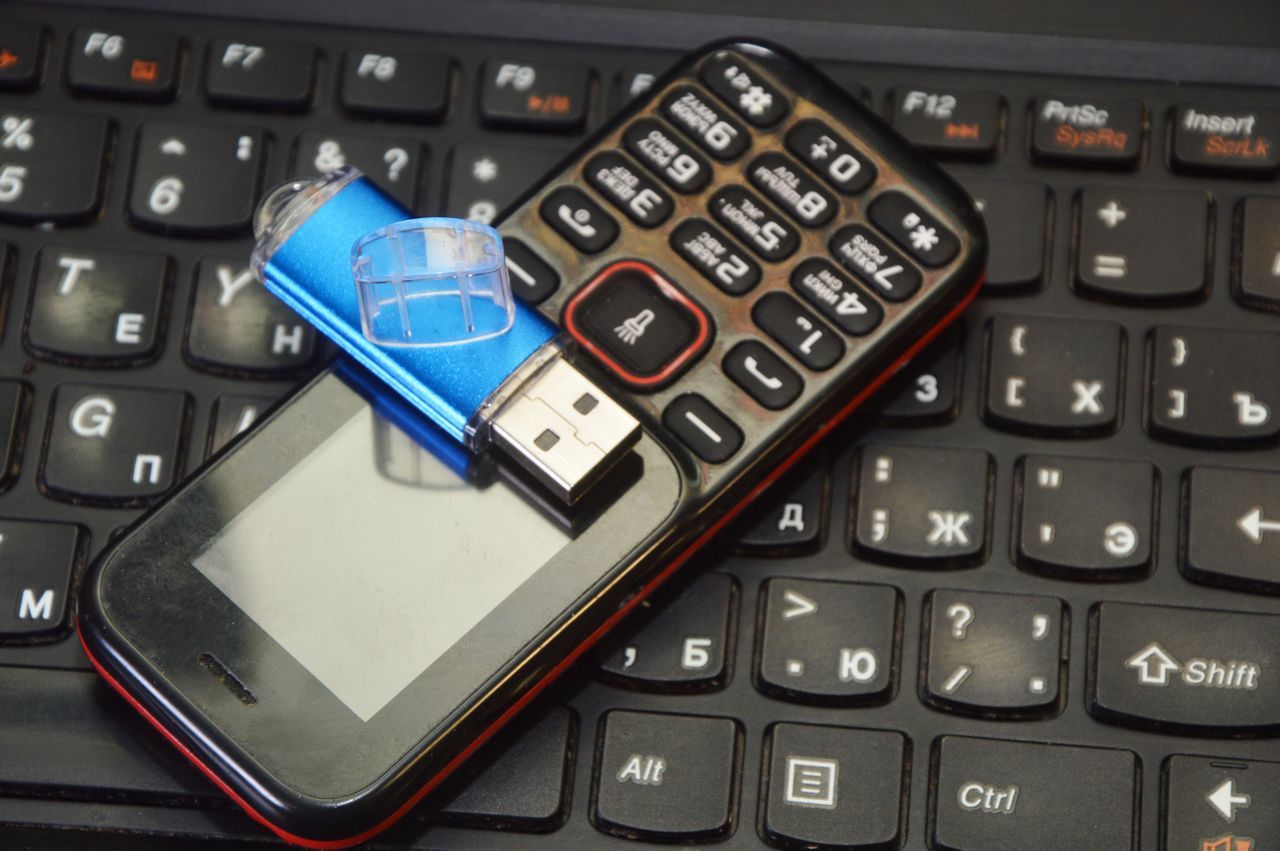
[390, 162]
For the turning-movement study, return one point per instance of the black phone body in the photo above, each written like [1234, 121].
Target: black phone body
[148, 611]
[328, 616]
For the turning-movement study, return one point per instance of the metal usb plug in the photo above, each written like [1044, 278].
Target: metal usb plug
[560, 426]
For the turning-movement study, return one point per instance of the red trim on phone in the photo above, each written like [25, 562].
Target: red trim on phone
[550, 676]
[671, 293]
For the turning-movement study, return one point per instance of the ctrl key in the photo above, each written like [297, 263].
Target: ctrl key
[666, 777]
[994, 794]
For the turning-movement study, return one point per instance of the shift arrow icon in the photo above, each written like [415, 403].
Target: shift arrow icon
[1225, 800]
[1253, 525]
[1153, 664]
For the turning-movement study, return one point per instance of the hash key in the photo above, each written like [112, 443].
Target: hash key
[195, 178]
[1057, 376]
[681, 645]
[828, 642]
[1213, 386]
[112, 445]
[993, 654]
[1085, 518]
[51, 165]
[97, 305]
[37, 562]
[1125, 250]
[921, 504]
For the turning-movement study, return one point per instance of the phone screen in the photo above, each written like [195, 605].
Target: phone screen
[349, 591]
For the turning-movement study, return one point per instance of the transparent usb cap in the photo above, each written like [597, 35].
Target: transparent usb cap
[432, 282]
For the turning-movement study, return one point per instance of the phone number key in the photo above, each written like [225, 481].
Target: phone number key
[704, 122]
[799, 195]
[764, 231]
[710, 252]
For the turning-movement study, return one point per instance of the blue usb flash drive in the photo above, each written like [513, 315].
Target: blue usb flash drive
[322, 246]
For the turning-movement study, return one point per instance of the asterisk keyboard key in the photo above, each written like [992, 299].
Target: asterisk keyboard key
[907, 224]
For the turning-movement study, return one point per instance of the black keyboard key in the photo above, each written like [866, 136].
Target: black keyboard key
[1204, 672]
[639, 325]
[1220, 804]
[993, 794]
[831, 156]
[1018, 218]
[629, 84]
[834, 787]
[112, 445]
[1088, 131]
[627, 188]
[37, 561]
[484, 178]
[97, 305]
[579, 219]
[233, 413]
[666, 777]
[745, 89]
[531, 278]
[959, 123]
[14, 410]
[1085, 518]
[806, 337]
[869, 256]
[238, 327]
[789, 517]
[393, 164]
[1054, 376]
[51, 165]
[535, 95]
[708, 250]
[750, 220]
[701, 426]
[1213, 386]
[1257, 253]
[681, 645]
[67, 733]
[195, 178]
[840, 299]
[667, 155]
[927, 390]
[913, 228]
[123, 63]
[1225, 139]
[706, 122]
[765, 376]
[922, 505]
[994, 655]
[407, 85]
[791, 188]
[1124, 250]
[1231, 528]
[524, 786]
[20, 48]
[828, 642]
[260, 74]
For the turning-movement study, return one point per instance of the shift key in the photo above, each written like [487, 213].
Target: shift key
[1207, 672]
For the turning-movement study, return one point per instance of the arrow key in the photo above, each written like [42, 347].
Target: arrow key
[1220, 804]
[1231, 528]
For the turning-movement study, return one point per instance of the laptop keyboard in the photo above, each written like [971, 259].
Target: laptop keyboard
[1027, 601]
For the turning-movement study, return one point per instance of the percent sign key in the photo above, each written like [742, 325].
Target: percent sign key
[51, 166]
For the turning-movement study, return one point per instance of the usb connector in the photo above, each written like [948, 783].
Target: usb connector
[563, 429]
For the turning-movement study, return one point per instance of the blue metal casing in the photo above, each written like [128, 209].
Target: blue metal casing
[311, 272]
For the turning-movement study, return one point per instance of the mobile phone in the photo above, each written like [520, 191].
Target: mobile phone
[741, 257]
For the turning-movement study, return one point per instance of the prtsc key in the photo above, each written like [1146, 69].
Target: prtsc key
[717, 278]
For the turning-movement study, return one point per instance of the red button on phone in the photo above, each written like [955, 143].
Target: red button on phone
[638, 324]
